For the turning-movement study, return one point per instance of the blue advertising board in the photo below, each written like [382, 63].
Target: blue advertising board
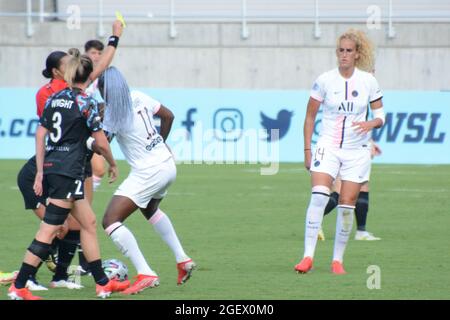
[216, 126]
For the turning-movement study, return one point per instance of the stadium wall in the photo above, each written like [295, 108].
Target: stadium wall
[282, 56]
[232, 126]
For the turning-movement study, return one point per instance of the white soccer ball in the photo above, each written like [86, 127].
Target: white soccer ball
[115, 269]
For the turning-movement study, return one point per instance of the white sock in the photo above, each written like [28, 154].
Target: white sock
[96, 182]
[127, 244]
[314, 216]
[344, 223]
[163, 226]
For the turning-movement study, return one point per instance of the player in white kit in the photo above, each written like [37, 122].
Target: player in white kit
[343, 147]
[129, 116]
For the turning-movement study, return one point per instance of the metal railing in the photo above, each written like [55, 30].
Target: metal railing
[244, 18]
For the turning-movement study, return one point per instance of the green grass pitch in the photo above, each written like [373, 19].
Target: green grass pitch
[245, 231]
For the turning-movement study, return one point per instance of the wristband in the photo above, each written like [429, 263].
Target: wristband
[89, 143]
[113, 41]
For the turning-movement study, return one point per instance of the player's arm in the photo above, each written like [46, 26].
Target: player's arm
[166, 121]
[108, 54]
[41, 133]
[102, 146]
[308, 128]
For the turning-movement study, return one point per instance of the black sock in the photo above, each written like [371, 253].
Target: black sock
[98, 273]
[361, 209]
[332, 203]
[24, 274]
[33, 275]
[83, 262]
[66, 252]
[54, 246]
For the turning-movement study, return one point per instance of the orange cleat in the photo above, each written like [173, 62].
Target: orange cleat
[143, 282]
[337, 267]
[112, 286]
[185, 270]
[21, 294]
[305, 265]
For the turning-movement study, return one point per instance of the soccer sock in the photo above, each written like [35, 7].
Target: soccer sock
[98, 273]
[314, 216]
[127, 244]
[26, 270]
[66, 252]
[33, 275]
[361, 209]
[164, 228]
[332, 203]
[54, 246]
[344, 224]
[82, 259]
[96, 182]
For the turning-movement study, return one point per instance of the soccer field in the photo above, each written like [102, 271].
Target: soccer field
[245, 232]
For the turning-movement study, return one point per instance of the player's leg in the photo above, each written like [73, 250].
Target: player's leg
[119, 209]
[83, 213]
[320, 194]
[354, 171]
[361, 211]
[344, 222]
[98, 170]
[55, 215]
[89, 194]
[25, 181]
[66, 252]
[324, 170]
[164, 227]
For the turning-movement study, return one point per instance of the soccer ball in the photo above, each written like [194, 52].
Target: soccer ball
[115, 269]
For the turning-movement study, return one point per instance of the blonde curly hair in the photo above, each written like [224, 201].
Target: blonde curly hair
[364, 47]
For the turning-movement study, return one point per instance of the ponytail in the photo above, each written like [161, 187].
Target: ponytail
[78, 68]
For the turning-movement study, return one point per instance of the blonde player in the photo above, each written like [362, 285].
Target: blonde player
[129, 116]
[343, 145]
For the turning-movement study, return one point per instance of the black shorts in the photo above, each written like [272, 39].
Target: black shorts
[88, 170]
[25, 182]
[63, 187]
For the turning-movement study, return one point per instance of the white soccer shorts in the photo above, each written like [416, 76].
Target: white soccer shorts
[351, 164]
[141, 186]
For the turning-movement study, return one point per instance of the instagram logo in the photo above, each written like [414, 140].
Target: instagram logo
[228, 124]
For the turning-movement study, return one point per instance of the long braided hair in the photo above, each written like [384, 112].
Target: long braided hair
[118, 104]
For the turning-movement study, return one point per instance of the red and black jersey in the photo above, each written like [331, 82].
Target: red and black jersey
[46, 91]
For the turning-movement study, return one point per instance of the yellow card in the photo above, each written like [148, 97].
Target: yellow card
[119, 17]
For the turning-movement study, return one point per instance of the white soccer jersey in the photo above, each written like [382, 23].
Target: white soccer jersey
[344, 101]
[142, 145]
[92, 89]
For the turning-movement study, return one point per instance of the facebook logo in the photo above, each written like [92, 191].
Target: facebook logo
[189, 123]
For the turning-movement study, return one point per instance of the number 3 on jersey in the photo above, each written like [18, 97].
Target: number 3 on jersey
[57, 119]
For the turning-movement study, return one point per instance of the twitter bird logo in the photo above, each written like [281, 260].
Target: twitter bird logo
[282, 123]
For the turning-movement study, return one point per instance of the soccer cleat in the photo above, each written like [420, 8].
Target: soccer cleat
[321, 235]
[8, 277]
[364, 235]
[185, 270]
[337, 267]
[305, 265]
[21, 294]
[65, 284]
[112, 286]
[33, 285]
[143, 281]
